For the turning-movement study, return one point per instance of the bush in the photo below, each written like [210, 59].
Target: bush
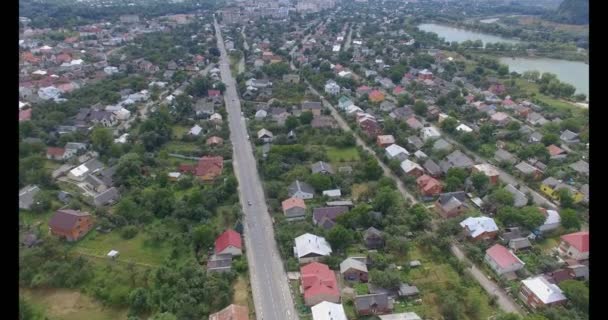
[128, 232]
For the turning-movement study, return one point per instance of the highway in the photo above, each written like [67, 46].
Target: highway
[271, 295]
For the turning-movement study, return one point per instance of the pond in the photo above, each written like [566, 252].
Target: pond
[460, 35]
[575, 73]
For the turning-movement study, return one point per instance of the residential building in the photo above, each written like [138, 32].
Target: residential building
[319, 284]
[373, 238]
[396, 152]
[300, 190]
[538, 292]
[488, 170]
[354, 270]
[294, 208]
[229, 242]
[451, 204]
[428, 186]
[519, 198]
[328, 311]
[331, 87]
[231, 312]
[575, 245]
[502, 261]
[326, 217]
[310, 247]
[480, 228]
[70, 224]
[322, 167]
[373, 304]
[411, 168]
[384, 141]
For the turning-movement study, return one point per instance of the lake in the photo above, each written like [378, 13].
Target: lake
[460, 35]
[575, 73]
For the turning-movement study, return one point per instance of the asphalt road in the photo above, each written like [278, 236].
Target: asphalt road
[271, 295]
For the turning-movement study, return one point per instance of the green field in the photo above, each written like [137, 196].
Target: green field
[342, 155]
[136, 250]
[180, 147]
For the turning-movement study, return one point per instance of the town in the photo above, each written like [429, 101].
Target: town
[296, 160]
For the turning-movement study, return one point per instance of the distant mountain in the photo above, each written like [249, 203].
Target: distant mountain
[572, 12]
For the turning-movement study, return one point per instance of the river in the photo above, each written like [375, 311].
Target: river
[573, 72]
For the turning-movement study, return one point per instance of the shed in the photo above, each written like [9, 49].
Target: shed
[113, 254]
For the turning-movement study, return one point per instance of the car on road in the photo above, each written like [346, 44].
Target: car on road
[249, 203]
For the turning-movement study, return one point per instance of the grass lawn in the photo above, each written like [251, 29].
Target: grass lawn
[136, 249]
[51, 165]
[180, 147]
[531, 87]
[302, 310]
[67, 304]
[242, 294]
[358, 190]
[548, 244]
[29, 217]
[342, 155]
[179, 131]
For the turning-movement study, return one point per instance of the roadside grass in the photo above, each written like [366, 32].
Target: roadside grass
[137, 249]
[68, 304]
[302, 310]
[337, 155]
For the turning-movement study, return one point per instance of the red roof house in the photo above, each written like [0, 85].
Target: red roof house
[376, 96]
[70, 224]
[54, 153]
[229, 242]
[25, 115]
[501, 260]
[64, 57]
[555, 150]
[428, 186]
[214, 93]
[319, 284]
[209, 168]
[575, 245]
[231, 312]
[398, 90]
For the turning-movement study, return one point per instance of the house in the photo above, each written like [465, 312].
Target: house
[536, 118]
[428, 133]
[229, 242]
[291, 78]
[376, 96]
[219, 263]
[428, 186]
[314, 107]
[552, 220]
[527, 170]
[551, 187]
[501, 119]
[535, 137]
[401, 113]
[214, 93]
[559, 275]
[384, 141]
[519, 244]
[519, 198]
[456, 159]
[575, 246]
[370, 127]
[326, 217]
[442, 145]
[396, 152]
[425, 75]
[322, 167]
[216, 118]
[581, 167]
[331, 87]
[103, 117]
[373, 238]
[502, 155]
[579, 271]
[538, 292]
[310, 247]
[432, 168]
[279, 115]
[400, 316]
[362, 90]
[231, 312]
[353, 270]
[265, 135]
[480, 228]
[323, 122]
[73, 148]
[415, 142]
[294, 208]
[406, 290]
[214, 141]
[54, 153]
[26, 196]
[451, 204]
[195, 131]
[344, 102]
[328, 311]
[300, 190]
[108, 197]
[411, 168]
[369, 304]
[501, 260]
[555, 151]
[209, 168]
[333, 193]
[387, 106]
[569, 137]
[319, 284]
[70, 224]
[261, 114]
[488, 170]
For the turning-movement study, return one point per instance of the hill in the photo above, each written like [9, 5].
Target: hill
[571, 12]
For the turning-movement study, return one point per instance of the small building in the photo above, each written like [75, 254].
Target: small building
[328, 311]
[538, 292]
[310, 247]
[432, 168]
[552, 220]
[519, 244]
[113, 254]
[214, 141]
[373, 304]
[229, 242]
[501, 260]
[265, 135]
[231, 312]
[373, 238]
[569, 137]
[294, 208]
[333, 193]
[519, 198]
[313, 107]
[319, 284]
[195, 131]
[219, 263]
[411, 168]
[396, 152]
[488, 170]
[480, 228]
[70, 224]
[575, 246]
[528, 170]
[108, 197]
[428, 186]
[384, 141]
[354, 270]
[405, 290]
[300, 190]
[322, 167]
[326, 217]
[428, 133]
[451, 204]
[400, 316]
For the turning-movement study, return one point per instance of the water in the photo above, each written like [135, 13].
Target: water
[575, 73]
[460, 35]
[492, 20]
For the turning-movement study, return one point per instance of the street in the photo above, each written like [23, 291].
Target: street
[271, 294]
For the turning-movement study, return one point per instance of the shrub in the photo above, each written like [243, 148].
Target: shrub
[128, 232]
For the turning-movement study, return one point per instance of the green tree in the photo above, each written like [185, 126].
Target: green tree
[372, 170]
[385, 279]
[385, 199]
[101, 139]
[340, 237]
[42, 201]
[139, 300]
[128, 169]
[565, 198]
[480, 181]
[420, 107]
[320, 181]
[453, 184]
[549, 139]
[570, 219]
[291, 122]
[449, 125]
[502, 197]
[419, 217]
[27, 311]
[306, 117]
[577, 292]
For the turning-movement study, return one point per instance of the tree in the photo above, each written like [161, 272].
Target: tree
[549, 139]
[42, 201]
[480, 181]
[27, 311]
[449, 124]
[164, 316]
[502, 197]
[306, 117]
[419, 217]
[139, 300]
[291, 122]
[101, 139]
[420, 107]
[577, 292]
[203, 236]
[453, 184]
[385, 279]
[503, 70]
[128, 169]
[340, 237]
[565, 198]
[385, 199]
[320, 181]
[570, 219]
[372, 170]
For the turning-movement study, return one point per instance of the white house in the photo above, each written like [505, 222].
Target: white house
[109, 70]
[411, 167]
[502, 260]
[328, 311]
[552, 222]
[310, 247]
[537, 291]
[261, 114]
[397, 152]
[345, 74]
[195, 131]
[479, 227]
[336, 48]
[122, 114]
[331, 87]
[333, 193]
[265, 135]
[428, 133]
[122, 139]
[79, 173]
[464, 128]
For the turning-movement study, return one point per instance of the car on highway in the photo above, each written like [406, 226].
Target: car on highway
[249, 203]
